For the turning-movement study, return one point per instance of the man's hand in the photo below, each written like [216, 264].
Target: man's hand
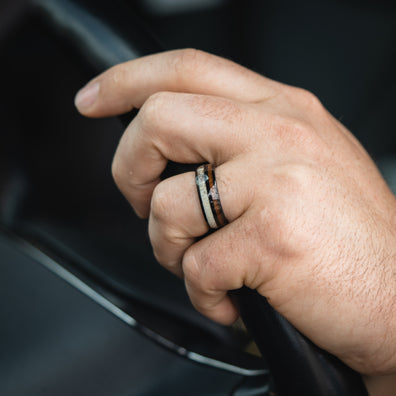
[312, 222]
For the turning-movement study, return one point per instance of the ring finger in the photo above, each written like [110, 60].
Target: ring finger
[176, 218]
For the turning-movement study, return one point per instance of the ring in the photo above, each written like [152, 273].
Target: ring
[209, 197]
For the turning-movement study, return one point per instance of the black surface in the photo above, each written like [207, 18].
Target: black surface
[309, 370]
[55, 341]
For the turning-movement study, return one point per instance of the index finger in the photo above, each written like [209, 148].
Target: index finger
[128, 85]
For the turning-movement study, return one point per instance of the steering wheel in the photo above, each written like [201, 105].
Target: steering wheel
[102, 34]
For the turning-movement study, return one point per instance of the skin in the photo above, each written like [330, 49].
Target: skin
[312, 222]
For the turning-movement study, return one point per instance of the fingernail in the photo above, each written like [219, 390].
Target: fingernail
[86, 97]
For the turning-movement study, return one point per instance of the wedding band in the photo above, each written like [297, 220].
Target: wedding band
[209, 197]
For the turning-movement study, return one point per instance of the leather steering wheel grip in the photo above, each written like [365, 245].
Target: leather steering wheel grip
[103, 33]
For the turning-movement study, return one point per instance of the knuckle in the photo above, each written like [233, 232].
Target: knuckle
[166, 241]
[201, 267]
[161, 202]
[292, 225]
[162, 255]
[153, 114]
[120, 165]
[116, 171]
[296, 178]
[191, 268]
[307, 99]
[205, 306]
[156, 253]
[311, 100]
[293, 132]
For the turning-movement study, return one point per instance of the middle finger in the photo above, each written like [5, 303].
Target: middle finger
[183, 128]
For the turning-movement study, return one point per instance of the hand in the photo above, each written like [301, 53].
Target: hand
[312, 222]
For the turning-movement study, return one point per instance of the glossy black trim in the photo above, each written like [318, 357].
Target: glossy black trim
[109, 302]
